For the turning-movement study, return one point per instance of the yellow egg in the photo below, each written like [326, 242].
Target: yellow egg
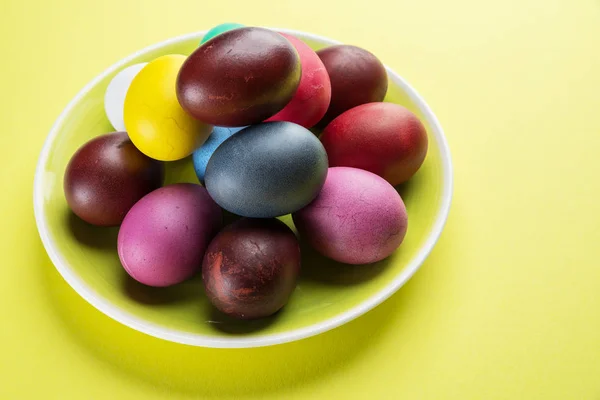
[154, 120]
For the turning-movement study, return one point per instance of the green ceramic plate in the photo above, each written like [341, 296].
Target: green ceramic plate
[327, 295]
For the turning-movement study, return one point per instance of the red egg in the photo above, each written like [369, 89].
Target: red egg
[383, 138]
[107, 176]
[311, 100]
[357, 77]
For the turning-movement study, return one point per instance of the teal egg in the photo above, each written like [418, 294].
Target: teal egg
[217, 30]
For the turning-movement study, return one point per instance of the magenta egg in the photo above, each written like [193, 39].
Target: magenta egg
[358, 218]
[311, 100]
[163, 237]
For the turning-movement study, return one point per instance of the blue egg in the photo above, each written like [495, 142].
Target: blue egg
[267, 170]
[203, 154]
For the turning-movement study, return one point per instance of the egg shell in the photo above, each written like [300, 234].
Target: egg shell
[267, 170]
[217, 30]
[202, 155]
[358, 218]
[155, 121]
[251, 267]
[240, 77]
[357, 77]
[384, 138]
[164, 236]
[114, 97]
[311, 100]
[107, 176]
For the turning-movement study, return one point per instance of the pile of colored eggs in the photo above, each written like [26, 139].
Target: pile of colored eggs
[240, 107]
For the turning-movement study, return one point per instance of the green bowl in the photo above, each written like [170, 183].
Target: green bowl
[328, 294]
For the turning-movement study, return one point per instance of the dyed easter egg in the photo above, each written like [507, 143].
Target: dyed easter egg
[384, 138]
[357, 77]
[251, 267]
[155, 121]
[107, 176]
[358, 218]
[217, 30]
[114, 97]
[164, 236]
[240, 77]
[312, 97]
[267, 170]
[201, 156]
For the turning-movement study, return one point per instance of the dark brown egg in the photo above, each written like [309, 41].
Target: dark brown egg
[357, 77]
[107, 176]
[250, 268]
[240, 77]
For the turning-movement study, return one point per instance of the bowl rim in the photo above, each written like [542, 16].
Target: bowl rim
[193, 339]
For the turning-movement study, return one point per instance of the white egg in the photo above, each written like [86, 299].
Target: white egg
[114, 98]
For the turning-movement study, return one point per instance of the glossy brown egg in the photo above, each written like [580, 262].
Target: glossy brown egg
[357, 77]
[107, 176]
[240, 77]
[250, 268]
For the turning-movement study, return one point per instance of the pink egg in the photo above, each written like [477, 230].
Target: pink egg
[358, 218]
[163, 237]
[312, 97]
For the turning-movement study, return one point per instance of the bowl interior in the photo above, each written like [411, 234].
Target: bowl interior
[87, 257]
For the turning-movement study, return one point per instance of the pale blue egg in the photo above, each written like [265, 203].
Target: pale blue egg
[203, 154]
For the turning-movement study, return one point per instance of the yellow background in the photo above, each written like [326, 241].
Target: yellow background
[506, 307]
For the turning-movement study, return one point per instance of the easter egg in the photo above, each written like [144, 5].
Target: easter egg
[267, 170]
[358, 218]
[311, 100]
[164, 236]
[155, 121]
[107, 176]
[114, 97]
[251, 267]
[217, 30]
[240, 77]
[384, 138]
[201, 156]
[357, 77]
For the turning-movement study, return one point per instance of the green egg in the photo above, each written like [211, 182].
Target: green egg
[217, 30]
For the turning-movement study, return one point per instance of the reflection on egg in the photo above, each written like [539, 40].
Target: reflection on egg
[240, 77]
[384, 138]
[358, 218]
[203, 154]
[164, 236]
[311, 100]
[251, 267]
[357, 77]
[114, 98]
[267, 170]
[155, 121]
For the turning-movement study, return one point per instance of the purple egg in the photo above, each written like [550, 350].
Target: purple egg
[163, 237]
[358, 218]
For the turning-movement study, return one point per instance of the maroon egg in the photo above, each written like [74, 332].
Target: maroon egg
[357, 77]
[384, 138]
[240, 77]
[107, 176]
[250, 268]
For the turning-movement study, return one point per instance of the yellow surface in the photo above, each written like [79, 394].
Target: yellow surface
[506, 307]
[152, 113]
